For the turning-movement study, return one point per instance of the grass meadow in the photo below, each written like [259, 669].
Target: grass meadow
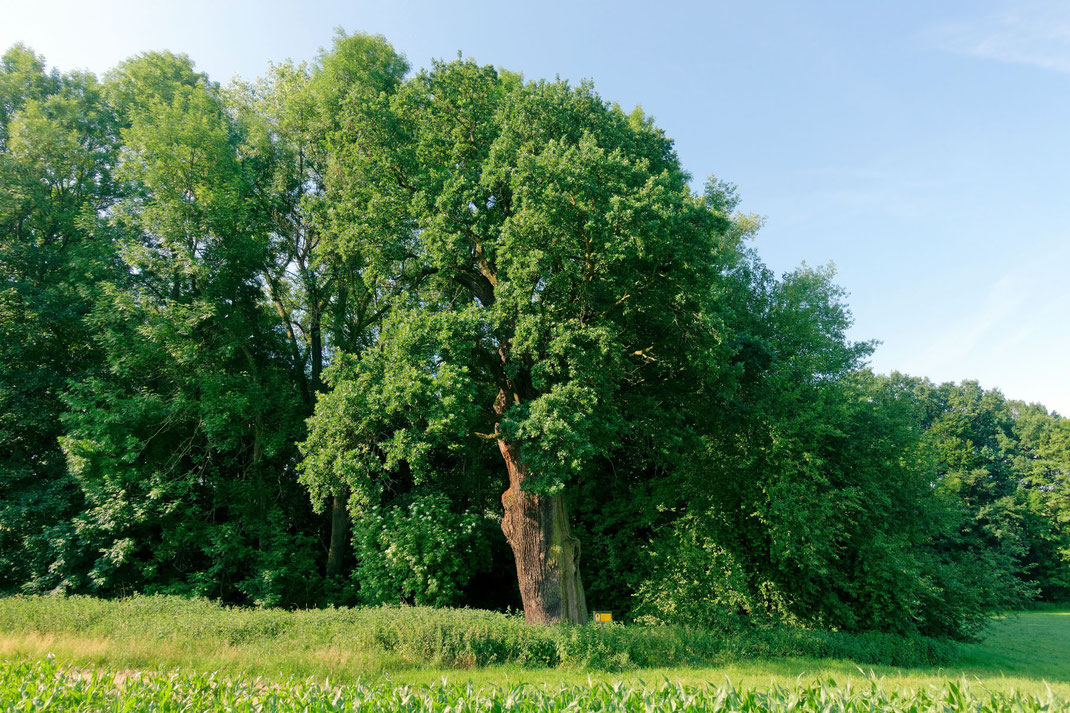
[87, 654]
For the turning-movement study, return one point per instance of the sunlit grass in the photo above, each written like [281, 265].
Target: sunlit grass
[1022, 652]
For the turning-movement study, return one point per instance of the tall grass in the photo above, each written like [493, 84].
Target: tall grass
[44, 686]
[398, 637]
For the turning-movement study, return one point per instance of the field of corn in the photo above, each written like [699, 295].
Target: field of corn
[43, 685]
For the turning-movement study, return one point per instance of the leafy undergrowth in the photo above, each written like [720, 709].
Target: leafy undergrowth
[45, 686]
[170, 630]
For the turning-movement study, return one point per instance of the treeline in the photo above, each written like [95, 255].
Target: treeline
[287, 342]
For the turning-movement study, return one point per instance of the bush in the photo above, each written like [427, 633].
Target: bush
[421, 553]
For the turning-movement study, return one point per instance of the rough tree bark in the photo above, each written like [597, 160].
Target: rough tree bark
[547, 554]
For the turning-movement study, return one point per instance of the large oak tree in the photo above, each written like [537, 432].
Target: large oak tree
[556, 292]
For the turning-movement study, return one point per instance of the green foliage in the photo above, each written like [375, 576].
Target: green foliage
[422, 554]
[810, 499]
[183, 441]
[58, 143]
[1006, 464]
[550, 202]
[691, 579]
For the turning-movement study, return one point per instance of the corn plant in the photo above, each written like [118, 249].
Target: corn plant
[43, 685]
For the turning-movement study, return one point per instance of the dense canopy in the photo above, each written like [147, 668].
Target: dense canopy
[355, 334]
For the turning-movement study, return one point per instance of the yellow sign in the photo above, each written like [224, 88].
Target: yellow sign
[603, 617]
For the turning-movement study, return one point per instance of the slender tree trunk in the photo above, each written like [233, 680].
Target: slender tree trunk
[339, 514]
[315, 334]
[317, 356]
[546, 553]
[339, 526]
[295, 351]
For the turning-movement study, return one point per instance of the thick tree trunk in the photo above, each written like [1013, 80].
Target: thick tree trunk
[339, 527]
[547, 555]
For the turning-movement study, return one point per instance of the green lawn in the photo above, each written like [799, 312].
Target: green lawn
[1032, 645]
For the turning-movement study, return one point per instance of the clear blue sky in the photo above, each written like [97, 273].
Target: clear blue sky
[923, 147]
